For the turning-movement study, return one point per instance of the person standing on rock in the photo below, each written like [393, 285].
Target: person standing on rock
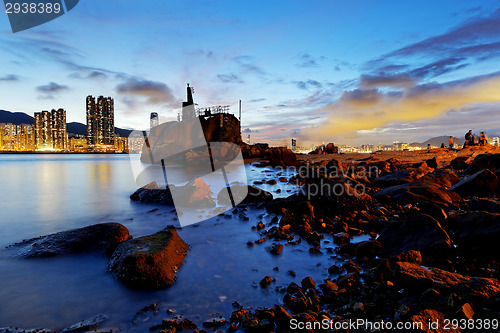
[451, 142]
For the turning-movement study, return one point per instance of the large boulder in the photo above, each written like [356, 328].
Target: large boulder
[441, 177]
[104, 237]
[485, 161]
[151, 193]
[417, 279]
[149, 262]
[332, 196]
[418, 232]
[174, 140]
[331, 149]
[477, 233]
[195, 194]
[414, 193]
[282, 157]
[483, 182]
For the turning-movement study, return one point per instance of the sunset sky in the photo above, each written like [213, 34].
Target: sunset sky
[322, 71]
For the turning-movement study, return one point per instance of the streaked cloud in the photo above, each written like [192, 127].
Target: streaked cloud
[154, 93]
[9, 78]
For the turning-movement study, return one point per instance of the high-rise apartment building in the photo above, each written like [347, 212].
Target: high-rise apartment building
[50, 130]
[43, 130]
[154, 120]
[100, 121]
[59, 133]
[16, 137]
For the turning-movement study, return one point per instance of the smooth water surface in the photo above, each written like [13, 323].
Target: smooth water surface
[43, 194]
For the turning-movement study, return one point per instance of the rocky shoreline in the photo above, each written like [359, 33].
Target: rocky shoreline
[432, 218]
[432, 257]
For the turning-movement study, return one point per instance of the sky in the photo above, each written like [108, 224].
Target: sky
[356, 72]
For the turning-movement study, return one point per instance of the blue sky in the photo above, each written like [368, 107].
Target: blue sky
[321, 71]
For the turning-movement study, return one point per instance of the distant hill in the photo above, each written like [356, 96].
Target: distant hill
[15, 118]
[436, 141]
[73, 127]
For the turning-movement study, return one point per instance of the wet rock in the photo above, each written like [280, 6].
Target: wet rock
[151, 193]
[86, 325]
[416, 279]
[348, 281]
[308, 282]
[329, 286]
[334, 269]
[196, 194]
[483, 182]
[149, 261]
[265, 282]
[177, 323]
[260, 226]
[421, 233]
[477, 233]
[298, 214]
[252, 195]
[276, 249]
[214, 322]
[241, 315]
[103, 237]
[271, 182]
[341, 238]
[368, 249]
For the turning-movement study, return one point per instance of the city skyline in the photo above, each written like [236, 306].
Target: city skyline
[358, 73]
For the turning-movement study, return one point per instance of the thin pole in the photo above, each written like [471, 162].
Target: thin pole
[240, 115]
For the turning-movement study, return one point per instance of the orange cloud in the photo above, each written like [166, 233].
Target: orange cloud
[360, 109]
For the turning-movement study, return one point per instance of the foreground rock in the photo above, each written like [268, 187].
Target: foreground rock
[483, 182]
[418, 279]
[103, 237]
[149, 262]
[420, 233]
[151, 193]
[403, 176]
[477, 233]
[413, 193]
